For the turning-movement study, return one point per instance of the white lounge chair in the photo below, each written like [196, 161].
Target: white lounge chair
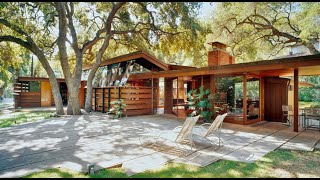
[179, 135]
[214, 129]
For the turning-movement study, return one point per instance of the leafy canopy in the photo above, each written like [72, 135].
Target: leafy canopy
[261, 30]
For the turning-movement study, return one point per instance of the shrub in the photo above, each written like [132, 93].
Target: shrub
[118, 107]
[200, 103]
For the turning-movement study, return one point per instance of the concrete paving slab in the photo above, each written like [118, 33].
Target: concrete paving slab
[317, 146]
[144, 163]
[74, 142]
[305, 141]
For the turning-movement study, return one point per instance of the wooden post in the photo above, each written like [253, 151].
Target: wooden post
[152, 96]
[261, 98]
[212, 89]
[201, 80]
[20, 95]
[244, 98]
[103, 111]
[157, 94]
[109, 97]
[119, 93]
[95, 99]
[168, 95]
[193, 84]
[177, 96]
[81, 94]
[296, 100]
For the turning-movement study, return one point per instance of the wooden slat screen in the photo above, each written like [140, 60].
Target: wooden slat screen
[137, 98]
[23, 98]
[30, 99]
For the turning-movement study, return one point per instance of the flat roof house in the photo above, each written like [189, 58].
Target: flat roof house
[251, 92]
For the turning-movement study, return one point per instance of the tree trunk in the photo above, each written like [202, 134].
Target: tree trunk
[88, 103]
[74, 95]
[56, 94]
[69, 107]
[73, 82]
[53, 81]
[2, 92]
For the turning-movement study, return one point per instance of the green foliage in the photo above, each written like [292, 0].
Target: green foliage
[118, 107]
[310, 94]
[12, 61]
[262, 30]
[185, 48]
[200, 103]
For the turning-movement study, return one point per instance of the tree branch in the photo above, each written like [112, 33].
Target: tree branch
[90, 43]
[13, 27]
[62, 42]
[71, 27]
[22, 43]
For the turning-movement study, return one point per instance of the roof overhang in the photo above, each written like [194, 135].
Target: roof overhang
[41, 79]
[307, 65]
[20, 79]
[140, 57]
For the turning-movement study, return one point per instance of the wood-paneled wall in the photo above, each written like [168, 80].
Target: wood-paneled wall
[23, 98]
[30, 99]
[137, 98]
[275, 95]
[46, 94]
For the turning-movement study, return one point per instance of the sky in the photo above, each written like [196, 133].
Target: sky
[206, 10]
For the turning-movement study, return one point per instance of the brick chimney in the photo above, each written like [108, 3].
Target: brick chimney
[218, 55]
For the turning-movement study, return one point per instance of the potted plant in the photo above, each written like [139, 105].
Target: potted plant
[118, 107]
[200, 103]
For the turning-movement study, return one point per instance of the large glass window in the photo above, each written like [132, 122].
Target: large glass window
[229, 96]
[34, 86]
[253, 111]
[161, 92]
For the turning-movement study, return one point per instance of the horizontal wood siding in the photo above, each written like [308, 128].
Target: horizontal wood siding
[138, 99]
[30, 99]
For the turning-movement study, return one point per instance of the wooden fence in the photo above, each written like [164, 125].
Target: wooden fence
[24, 98]
[140, 100]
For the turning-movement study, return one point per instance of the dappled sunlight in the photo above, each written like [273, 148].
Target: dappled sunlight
[11, 115]
[24, 131]
[22, 172]
[234, 173]
[303, 175]
[56, 173]
[72, 165]
[75, 142]
[44, 142]
[282, 173]
[24, 118]
[265, 159]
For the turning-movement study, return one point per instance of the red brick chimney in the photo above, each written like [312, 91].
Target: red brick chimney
[219, 56]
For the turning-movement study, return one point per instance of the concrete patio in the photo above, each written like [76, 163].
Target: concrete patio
[75, 142]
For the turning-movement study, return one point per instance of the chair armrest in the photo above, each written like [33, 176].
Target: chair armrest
[206, 124]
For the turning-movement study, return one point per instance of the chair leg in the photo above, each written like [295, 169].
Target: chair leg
[286, 118]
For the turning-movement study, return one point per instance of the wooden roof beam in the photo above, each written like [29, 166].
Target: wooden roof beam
[279, 64]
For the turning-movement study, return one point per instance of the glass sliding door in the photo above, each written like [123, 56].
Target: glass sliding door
[229, 98]
[253, 100]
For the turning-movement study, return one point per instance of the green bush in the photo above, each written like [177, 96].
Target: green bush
[200, 103]
[118, 107]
